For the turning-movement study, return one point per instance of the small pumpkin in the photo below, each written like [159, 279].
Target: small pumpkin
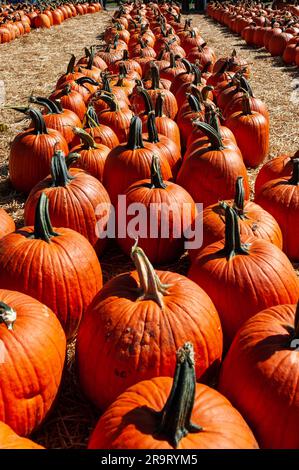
[278, 167]
[70, 99]
[178, 413]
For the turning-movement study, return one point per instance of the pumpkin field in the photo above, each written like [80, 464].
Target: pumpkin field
[149, 226]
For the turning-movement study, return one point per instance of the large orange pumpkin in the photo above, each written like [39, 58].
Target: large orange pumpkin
[264, 357]
[134, 325]
[162, 413]
[7, 224]
[10, 440]
[59, 267]
[32, 352]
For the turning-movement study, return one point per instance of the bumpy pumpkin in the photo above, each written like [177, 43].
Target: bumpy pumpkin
[132, 329]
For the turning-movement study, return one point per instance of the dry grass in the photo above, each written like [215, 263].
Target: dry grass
[34, 63]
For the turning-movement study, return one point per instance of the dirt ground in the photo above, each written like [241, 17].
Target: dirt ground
[33, 64]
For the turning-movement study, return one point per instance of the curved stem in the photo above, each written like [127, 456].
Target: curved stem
[232, 246]
[72, 158]
[194, 103]
[43, 229]
[110, 100]
[188, 65]
[83, 80]
[147, 99]
[135, 140]
[156, 174]
[295, 174]
[153, 136]
[155, 76]
[239, 197]
[159, 105]
[71, 65]
[7, 315]
[175, 417]
[51, 106]
[91, 118]
[197, 75]
[151, 288]
[87, 139]
[59, 171]
[106, 83]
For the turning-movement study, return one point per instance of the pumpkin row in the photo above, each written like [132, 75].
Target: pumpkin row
[17, 20]
[277, 30]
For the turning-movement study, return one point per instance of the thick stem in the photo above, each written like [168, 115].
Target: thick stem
[153, 135]
[135, 134]
[197, 75]
[72, 158]
[239, 197]
[71, 65]
[151, 288]
[211, 133]
[156, 174]
[90, 58]
[91, 118]
[159, 105]
[295, 175]
[43, 229]
[59, 171]
[87, 139]
[106, 84]
[110, 100]
[246, 109]
[155, 76]
[233, 245]
[83, 80]
[175, 417]
[194, 103]
[187, 65]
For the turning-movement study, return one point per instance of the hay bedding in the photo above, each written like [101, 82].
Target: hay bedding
[33, 64]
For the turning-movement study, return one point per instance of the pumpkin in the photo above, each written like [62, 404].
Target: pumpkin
[280, 198]
[63, 120]
[254, 221]
[131, 64]
[74, 200]
[86, 86]
[178, 413]
[204, 56]
[192, 111]
[232, 63]
[92, 155]
[70, 99]
[184, 77]
[61, 259]
[115, 118]
[229, 268]
[251, 130]
[96, 60]
[209, 173]
[278, 43]
[171, 69]
[10, 440]
[7, 224]
[70, 75]
[132, 328]
[264, 357]
[34, 348]
[165, 125]
[31, 152]
[278, 167]
[167, 206]
[130, 162]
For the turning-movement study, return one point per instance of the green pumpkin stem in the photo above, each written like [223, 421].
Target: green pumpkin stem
[8, 316]
[239, 197]
[233, 245]
[155, 76]
[151, 288]
[52, 106]
[153, 135]
[43, 229]
[194, 103]
[211, 133]
[295, 174]
[246, 108]
[146, 98]
[156, 174]
[91, 118]
[72, 158]
[71, 65]
[59, 171]
[175, 417]
[87, 139]
[135, 140]
[36, 116]
[159, 105]
[197, 75]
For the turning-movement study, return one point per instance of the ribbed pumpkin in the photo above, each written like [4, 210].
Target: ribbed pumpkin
[7, 224]
[254, 221]
[115, 118]
[168, 208]
[10, 440]
[178, 413]
[228, 269]
[31, 152]
[101, 134]
[165, 125]
[251, 130]
[34, 346]
[74, 200]
[131, 331]
[58, 267]
[70, 99]
[264, 357]
[209, 173]
[70, 75]
[63, 120]
[130, 162]
[278, 167]
[280, 198]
